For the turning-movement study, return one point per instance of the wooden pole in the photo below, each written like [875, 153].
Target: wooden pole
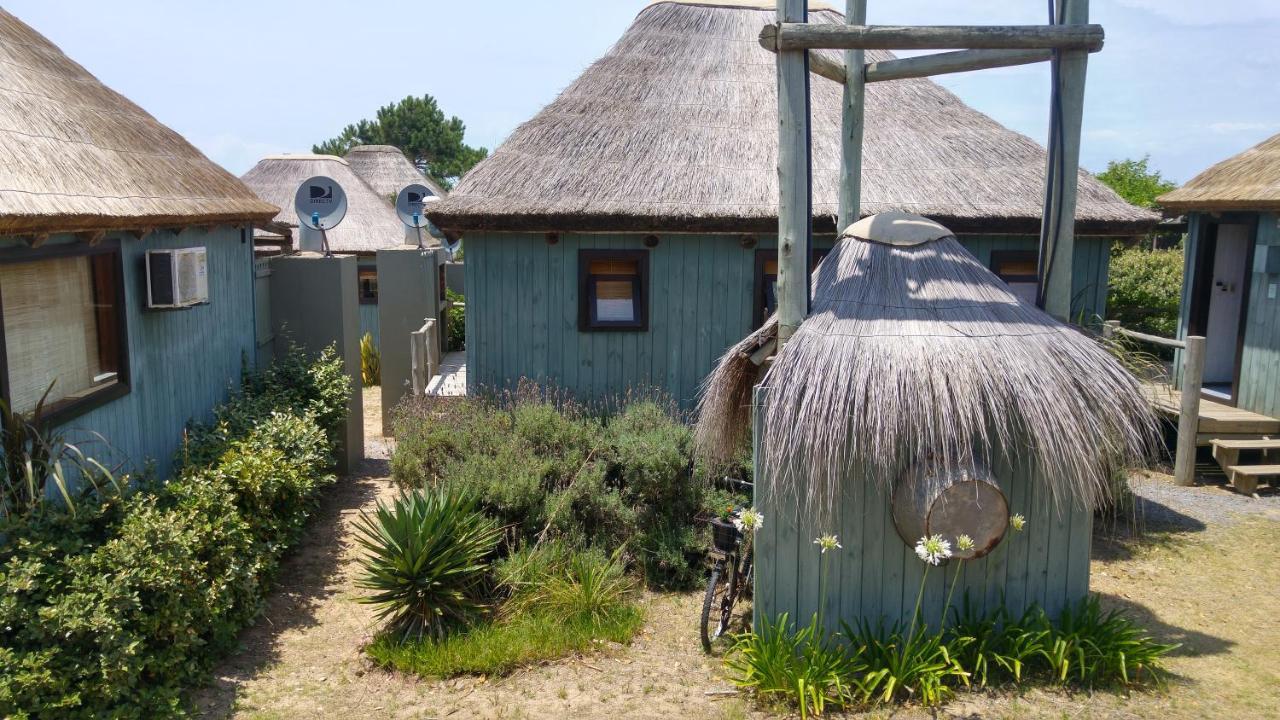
[1058, 226]
[951, 62]
[790, 35]
[1184, 462]
[855, 93]
[794, 203]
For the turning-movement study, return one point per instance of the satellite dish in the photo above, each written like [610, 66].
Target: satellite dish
[320, 202]
[410, 203]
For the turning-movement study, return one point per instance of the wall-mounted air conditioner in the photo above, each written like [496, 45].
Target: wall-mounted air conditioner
[177, 278]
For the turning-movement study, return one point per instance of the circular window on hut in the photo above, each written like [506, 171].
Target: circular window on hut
[929, 501]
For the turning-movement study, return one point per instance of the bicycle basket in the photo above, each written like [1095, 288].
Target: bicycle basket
[724, 536]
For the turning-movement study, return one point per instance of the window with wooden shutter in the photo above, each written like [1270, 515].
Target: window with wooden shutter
[367, 281]
[613, 292]
[1018, 269]
[765, 302]
[63, 320]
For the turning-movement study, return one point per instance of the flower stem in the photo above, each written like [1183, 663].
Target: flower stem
[916, 615]
[942, 622]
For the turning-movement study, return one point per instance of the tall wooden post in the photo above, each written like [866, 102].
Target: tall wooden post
[794, 203]
[1184, 459]
[851, 138]
[1057, 235]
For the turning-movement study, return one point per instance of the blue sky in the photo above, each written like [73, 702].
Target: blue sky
[1187, 81]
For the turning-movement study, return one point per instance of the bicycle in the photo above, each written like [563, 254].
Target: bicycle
[730, 576]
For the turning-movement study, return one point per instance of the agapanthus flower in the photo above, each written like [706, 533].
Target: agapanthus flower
[964, 543]
[1018, 522]
[933, 550]
[748, 520]
[828, 542]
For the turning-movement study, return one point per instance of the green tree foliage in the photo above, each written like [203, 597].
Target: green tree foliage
[1135, 181]
[420, 129]
[1145, 289]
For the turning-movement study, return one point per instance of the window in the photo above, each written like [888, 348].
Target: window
[765, 302]
[1017, 268]
[367, 280]
[64, 328]
[613, 291]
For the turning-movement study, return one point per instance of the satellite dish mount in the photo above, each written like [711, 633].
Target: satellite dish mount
[321, 204]
[410, 202]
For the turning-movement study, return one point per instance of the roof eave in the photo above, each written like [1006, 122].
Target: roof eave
[53, 225]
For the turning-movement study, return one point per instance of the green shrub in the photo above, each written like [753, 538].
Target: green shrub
[549, 469]
[456, 320]
[113, 609]
[1146, 290]
[427, 559]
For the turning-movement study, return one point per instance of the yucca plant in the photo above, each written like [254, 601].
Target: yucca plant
[427, 561]
[804, 666]
[370, 361]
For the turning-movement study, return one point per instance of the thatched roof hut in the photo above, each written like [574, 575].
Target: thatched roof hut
[916, 351]
[385, 169]
[1248, 181]
[370, 223]
[675, 129]
[79, 156]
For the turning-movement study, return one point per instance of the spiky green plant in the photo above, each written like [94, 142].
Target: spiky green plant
[370, 361]
[427, 561]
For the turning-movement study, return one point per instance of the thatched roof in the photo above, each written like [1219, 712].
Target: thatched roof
[385, 169]
[675, 129]
[78, 156]
[915, 352]
[370, 223]
[1248, 181]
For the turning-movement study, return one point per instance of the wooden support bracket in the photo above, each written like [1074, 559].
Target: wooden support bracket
[928, 65]
[139, 233]
[805, 36]
[37, 240]
[92, 237]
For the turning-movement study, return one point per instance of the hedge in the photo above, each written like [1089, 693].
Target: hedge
[115, 609]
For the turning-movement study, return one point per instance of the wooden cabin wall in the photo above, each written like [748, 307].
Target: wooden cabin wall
[1260, 361]
[876, 576]
[181, 362]
[522, 308]
[369, 318]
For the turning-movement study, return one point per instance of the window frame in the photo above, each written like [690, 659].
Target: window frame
[763, 256]
[60, 412]
[999, 257]
[360, 296]
[586, 290]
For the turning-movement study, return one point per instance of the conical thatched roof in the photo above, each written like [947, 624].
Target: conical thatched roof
[1248, 181]
[370, 223]
[918, 351]
[385, 169]
[77, 156]
[675, 128]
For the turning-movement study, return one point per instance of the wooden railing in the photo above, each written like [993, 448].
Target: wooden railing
[424, 356]
[1184, 459]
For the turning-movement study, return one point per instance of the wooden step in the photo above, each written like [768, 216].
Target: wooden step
[1252, 444]
[1245, 477]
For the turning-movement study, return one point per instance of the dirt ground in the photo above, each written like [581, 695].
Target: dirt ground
[1206, 577]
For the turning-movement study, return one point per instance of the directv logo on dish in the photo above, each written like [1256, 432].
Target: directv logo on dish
[321, 194]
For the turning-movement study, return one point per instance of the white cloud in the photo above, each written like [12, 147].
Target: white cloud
[1199, 12]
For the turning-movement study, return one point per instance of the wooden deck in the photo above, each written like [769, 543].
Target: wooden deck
[452, 379]
[1216, 420]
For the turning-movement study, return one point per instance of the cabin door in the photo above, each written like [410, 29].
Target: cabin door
[1220, 293]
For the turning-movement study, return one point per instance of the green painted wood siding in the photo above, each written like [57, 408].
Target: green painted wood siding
[181, 362]
[1260, 361]
[369, 322]
[876, 575]
[522, 308]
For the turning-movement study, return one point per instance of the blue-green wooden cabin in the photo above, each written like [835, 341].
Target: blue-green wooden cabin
[1231, 280]
[89, 185]
[624, 237]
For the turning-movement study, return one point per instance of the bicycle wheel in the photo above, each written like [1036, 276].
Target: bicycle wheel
[717, 590]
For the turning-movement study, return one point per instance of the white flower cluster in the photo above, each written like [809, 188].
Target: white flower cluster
[748, 520]
[933, 550]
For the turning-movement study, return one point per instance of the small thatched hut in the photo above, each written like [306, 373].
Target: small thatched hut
[370, 224]
[89, 184]
[626, 234]
[917, 369]
[385, 169]
[1231, 286]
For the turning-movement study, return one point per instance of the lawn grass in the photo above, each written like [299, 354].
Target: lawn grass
[501, 646]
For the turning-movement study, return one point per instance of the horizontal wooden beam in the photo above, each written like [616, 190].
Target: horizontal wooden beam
[951, 62]
[806, 36]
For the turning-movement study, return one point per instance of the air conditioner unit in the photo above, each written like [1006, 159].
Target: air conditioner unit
[177, 278]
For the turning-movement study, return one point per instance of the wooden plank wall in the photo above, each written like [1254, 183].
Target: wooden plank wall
[876, 575]
[182, 362]
[522, 308]
[1260, 363]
